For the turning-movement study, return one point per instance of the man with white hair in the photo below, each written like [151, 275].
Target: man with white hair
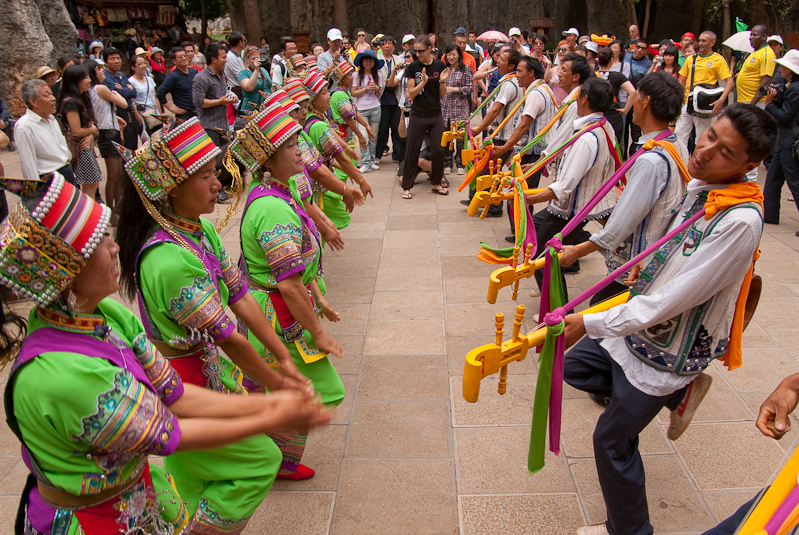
[42, 147]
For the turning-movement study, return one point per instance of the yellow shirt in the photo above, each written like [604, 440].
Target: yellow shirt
[709, 70]
[759, 63]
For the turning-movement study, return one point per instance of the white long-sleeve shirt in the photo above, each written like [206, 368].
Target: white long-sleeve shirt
[577, 159]
[41, 145]
[721, 259]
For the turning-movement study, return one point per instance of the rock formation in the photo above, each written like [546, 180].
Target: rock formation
[32, 33]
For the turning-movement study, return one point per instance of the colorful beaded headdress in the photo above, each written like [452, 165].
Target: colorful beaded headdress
[310, 63]
[47, 238]
[342, 70]
[297, 62]
[170, 156]
[314, 83]
[295, 90]
[279, 96]
[261, 137]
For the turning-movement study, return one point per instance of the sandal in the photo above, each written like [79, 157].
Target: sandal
[444, 183]
[440, 191]
[407, 195]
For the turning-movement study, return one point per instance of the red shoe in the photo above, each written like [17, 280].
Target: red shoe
[302, 472]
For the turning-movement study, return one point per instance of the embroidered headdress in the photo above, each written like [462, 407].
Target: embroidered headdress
[297, 62]
[342, 70]
[279, 96]
[295, 90]
[49, 235]
[314, 83]
[260, 138]
[170, 156]
[310, 63]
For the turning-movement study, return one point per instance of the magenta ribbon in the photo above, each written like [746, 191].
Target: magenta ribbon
[607, 186]
[545, 304]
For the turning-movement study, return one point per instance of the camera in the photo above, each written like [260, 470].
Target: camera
[764, 90]
[406, 112]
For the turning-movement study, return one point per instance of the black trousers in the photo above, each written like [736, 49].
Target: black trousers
[420, 124]
[225, 178]
[547, 225]
[590, 368]
[784, 167]
[389, 121]
[131, 131]
[68, 173]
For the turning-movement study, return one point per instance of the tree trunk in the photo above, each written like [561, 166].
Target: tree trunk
[726, 22]
[645, 27]
[628, 12]
[204, 19]
[696, 23]
[340, 16]
[252, 13]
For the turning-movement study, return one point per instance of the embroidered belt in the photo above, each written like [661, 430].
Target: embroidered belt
[62, 499]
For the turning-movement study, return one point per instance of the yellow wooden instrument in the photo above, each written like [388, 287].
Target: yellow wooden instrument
[492, 358]
[449, 136]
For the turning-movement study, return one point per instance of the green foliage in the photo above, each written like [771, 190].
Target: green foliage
[213, 8]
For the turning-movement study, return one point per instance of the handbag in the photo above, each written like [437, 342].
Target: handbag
[73, 141]
[702, 96]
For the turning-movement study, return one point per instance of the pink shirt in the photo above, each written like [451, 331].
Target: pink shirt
[368, 100]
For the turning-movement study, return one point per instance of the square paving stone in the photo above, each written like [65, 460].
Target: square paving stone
[344, 410]
[324, 453]
[353, 266]
[399, 377]
[408, 239]
[723, 503]
[729, 455]
[411, 305]
[493, 460]
[466, 266]
[407, 279]
[412, 222]
[399, 430]
[353, 350]
[722, 402]
[467, 290]
[292, 512]
[13, 474]
[472, 319]
[412, 337]
[349, 291]
[674, 503]
[416, 257]
[515, 407]
[396, 498]
[763, 369]
[353, 320]
[521, 514]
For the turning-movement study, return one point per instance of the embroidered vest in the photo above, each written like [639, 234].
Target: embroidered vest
[539, 122]
[601, 169]
[688, 342]
[655, 225]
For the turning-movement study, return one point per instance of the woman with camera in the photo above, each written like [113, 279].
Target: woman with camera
[146, 103]
[252, 79]
[783, 104]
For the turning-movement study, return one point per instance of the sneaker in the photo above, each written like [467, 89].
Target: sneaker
[364, 169]
[461, 170]
[682, 415]
[466, 202]
[593, 529]
[447, 170]
[510, 239]
[535, 292]
[12, 147]
[498, 213]
[375, 167]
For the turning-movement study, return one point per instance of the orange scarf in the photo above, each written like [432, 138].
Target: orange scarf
[722, 199]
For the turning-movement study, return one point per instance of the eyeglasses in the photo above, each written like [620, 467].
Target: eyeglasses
[641, 47]
[361, 35]
[563, 50]
[419, 50]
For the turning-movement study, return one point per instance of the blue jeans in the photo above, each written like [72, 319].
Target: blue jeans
[372, 117]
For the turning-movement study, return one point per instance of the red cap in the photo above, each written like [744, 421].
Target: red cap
[688, 34]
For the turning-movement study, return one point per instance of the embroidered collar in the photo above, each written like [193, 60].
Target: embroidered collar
[184, 225]
[59, 316]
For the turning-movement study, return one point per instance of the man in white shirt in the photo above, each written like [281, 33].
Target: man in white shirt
[475, 45]
[518, 42]
[42, 147]
[234, 62]
[646, 353]
[280, 68]
[332, 57]
[583, 169]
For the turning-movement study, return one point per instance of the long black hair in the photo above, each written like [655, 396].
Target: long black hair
[91, 68]
[73, 76]
[135, 226]
[362, 72]
[449, 49]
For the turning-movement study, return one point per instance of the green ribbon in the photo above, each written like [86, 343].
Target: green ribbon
[543, 388]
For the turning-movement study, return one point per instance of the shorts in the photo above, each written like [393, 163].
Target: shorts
[105, 142]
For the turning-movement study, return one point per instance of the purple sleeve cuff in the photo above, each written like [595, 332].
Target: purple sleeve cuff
[174, 439]
[240, 291]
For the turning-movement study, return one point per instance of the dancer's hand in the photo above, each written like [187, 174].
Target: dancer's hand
[773, 420]
[635, 272]
[575, 329]
[366, 189]
[326, 343]
[296, 410]
[332, 236]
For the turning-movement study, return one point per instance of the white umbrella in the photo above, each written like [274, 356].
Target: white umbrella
[493, 35]
[740, 42]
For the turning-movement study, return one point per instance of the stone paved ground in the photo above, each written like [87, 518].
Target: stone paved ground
[407, 455]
